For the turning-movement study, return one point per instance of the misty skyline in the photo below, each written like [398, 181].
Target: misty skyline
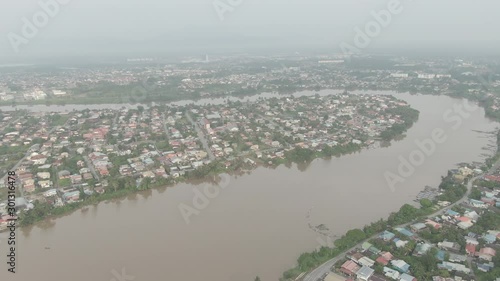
[114, 27]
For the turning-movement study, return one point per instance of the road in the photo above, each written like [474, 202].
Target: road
[91, 168]
[28, 153]
[201, 136]
[21, 190]
[164, 121]
[323, 269]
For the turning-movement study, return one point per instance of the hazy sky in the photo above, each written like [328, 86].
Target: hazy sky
[84, 27]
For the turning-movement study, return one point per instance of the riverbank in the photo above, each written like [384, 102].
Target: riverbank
[281, 147]
[121, 188]
[342, 192]
[320, 261]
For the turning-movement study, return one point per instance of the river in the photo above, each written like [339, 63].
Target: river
[258, 224]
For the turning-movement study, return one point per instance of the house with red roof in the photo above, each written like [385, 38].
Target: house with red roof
[486, 253]
[492, 178]
[350, 268]
[433, 224]
[385, 258]
[470, 249]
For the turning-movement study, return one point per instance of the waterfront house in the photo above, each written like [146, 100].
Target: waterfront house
[405, 232]
[373, 250]
[433, 224]
[355, 256]
[386, 235]
[365, 246]
[417, 227]
[350, 268]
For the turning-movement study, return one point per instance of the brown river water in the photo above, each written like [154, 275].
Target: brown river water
[257, 224]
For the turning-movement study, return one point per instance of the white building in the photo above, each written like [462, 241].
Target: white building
[426, 76]
[399, 75]
[59, 93]
[36, 95]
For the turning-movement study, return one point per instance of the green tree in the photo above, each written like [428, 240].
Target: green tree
[426, 203]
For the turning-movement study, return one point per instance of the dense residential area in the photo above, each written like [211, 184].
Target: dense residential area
[451, 237]
[72, 154]
[156, 80]
[68, 159]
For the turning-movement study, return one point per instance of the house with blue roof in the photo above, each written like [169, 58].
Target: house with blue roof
[404, 231]
[485, 267]
[489, 238]
[440, 255]
[399, 243]
[452, 213]
[407, 277]
[477, 203]
[400, 265]
[374, 250]
[387, 235]
[421, 249]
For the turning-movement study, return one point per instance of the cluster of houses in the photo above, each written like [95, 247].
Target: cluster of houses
[359, 264]
[93, 146]
[268, 127]
[461, 258]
